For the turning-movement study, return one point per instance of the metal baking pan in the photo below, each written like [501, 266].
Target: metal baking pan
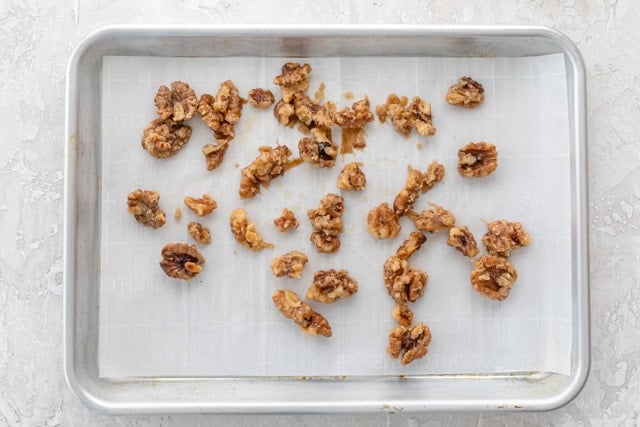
[149, 395]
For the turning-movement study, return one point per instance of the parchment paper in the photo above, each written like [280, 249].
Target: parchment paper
[223, 323]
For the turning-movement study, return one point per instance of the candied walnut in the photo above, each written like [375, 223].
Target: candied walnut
[403, 282]
[477, 159]
[402, 314]
[325, 243]
[164, 138]
[405, 117]
[181, 261]
[351, 177]
[462, 239]
[178, 103]
[311, 113]
[285, 112]
[201, 207]
[261, 98]
[504, 236]
[310, 321]
[416, 183]
[143, 204]
[409, 342]
[199, 233]
[286, 221]
[319, 149]
[290, 264]
[270, 163]
[466, 93]
[330, 285]
[245, 232]
[222, 112]
[435, 219]
[214, 154]
[493, 276]
[177, 214]
[421, 110]
[293, 78]
[382, 222]
[355, 118]
[411, 245]
[326, 220]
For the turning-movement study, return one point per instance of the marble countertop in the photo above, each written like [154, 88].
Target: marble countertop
[36, 38]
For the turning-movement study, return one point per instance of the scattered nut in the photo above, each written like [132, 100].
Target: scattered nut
[421, 110]
[411, 343]
[331, 285]
[411, 245]
[311, 322]
[403, 282]
[493, 276]
[214, 154]
[199, 233]
[245, 232]
[222, 112]
[177, 214]
[178, 103]
[286, 221]
[285, 112]
[416, 183]
[270, 163]
[163, 138]
[261, 98]
[318, 149]
[382, 222]
[504, 236]
[477, 159]
[325, 243]
[311, 113]
[351, 177]
[326, 220]
[466, 93]
[435, 219]
[290, 264]
[181, 261]
[201, 207]
[462, 239]
[355, 118]
[293, 78]
[402, 314]
[143, 204]
[405, 117]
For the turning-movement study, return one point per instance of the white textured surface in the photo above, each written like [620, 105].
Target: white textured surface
[36, 39]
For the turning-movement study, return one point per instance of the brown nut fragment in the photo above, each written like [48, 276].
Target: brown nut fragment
[311, 113]
[163, 138]
[286, 221]
[352, 177]
[504, 236]
[326, 220]
[200, 233]
[270, 163]
[293, 78]
[411, 343]
[477, 159]
[222, 112]
[411, 245]
[462, 239]
[355, 118]
[318, 149]
[311, 322]
[331, 285]
[493, 276]
[290, 264]
[143, 205]
[402, 314]
[261, 98]
[181, 261]
[325, 243]
[435, 219]
[177, 214]
[416, 183]
[202, 206]
[421, 110]
[245, 232]
[405, 117]
[178, 103]
[285, 112]
[214, 154]
[466, 93]
[403, 282]
[382, 222]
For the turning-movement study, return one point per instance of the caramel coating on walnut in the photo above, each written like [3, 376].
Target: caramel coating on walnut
[382, 222]
[214, 154]
[311, 113]
[462, 239]
[270, 163]
[466, 93]
[403, 282]
[326, 220]
[493, 276]
[435, 219]
[325, 243]
[477, 159]
[286, 221]
[285, 112]
[416, 183]
[352, 177]
[504, 236]
[245, 232]
[163, 138]
[200, 233]
[178, 103]
[319, 149]
[405, 117]
[143, 205]
[356, 117]
[402, 314]
[310, 321]
[330, 285]
[412, 244]
[293, 78]
[201, 206]
[290, 264]
[181, 261]
[222, 112]
[409, 342]
[261, 98]
[421, 110]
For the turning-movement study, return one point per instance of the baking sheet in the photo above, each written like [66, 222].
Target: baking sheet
[223, 322]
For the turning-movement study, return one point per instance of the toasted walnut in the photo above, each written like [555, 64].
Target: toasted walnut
[202, 206]
[290, 264]
[416, 183]
[326, 220]
[214, 154]
[382, 222]
[421, 110]
[286, 221]
[325, 243]
[199, 233]
[285, 112]
[270, 163]
[245, 232]
[402, 314]
[493, 276]
[477, 159]
[163, 137]
[318, 149]
[181, 261]
[223, 112]
[504, 236]
[403, 282]
[177, 214]
[311, 113]
[462, 239]
[351, 177]
[355, 118]
[143, 204]
[311, 322]
[411, 343]
[294, 78]
[178, 103]
[261, 98]
[331, 285]
[411, 245]
[405, 117]
[435, 219]
[466, 93]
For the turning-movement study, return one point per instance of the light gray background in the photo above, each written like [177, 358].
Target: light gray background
[36, 39]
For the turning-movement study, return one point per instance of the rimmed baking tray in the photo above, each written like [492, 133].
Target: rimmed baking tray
[277, 394]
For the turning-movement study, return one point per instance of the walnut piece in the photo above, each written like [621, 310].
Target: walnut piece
[286, 221]
[330, 285]
[435, 219]
[163, 138]
[411, 245]
[318, 149]
[285, 112]
[355, 118]
[222, 112]
[477, 159]
[421, 110]
[402, 314]
[325, 243]
[382, 222]
[214, 154]
[462, 239]
[177, 214]
[411, 343]
[326, 220]
[261, 98]
[352, 177]
[311, 322]
[202, 206]
[245, 232]
[466, 93]
[143, 205]
[493, 276]
[290, 264]
[311, 113]
[504, 236]
[178, 103]
[270, 163]
[405, 117]
[403, 282]
[181, 261]
[416, 183]
[200, 233]
[293, 78]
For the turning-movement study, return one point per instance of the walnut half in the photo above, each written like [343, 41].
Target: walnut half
[493, 276]
[286, 221]
[311, 322]
[477, 159]
[181, 261]
[261, 98]
[382, 222]
[411, 343]
[331, 285]
[178, 103]
[403, 282]
[143, 205]
[466, 93]
[163, 138]
[290, 264]
[504, 236]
